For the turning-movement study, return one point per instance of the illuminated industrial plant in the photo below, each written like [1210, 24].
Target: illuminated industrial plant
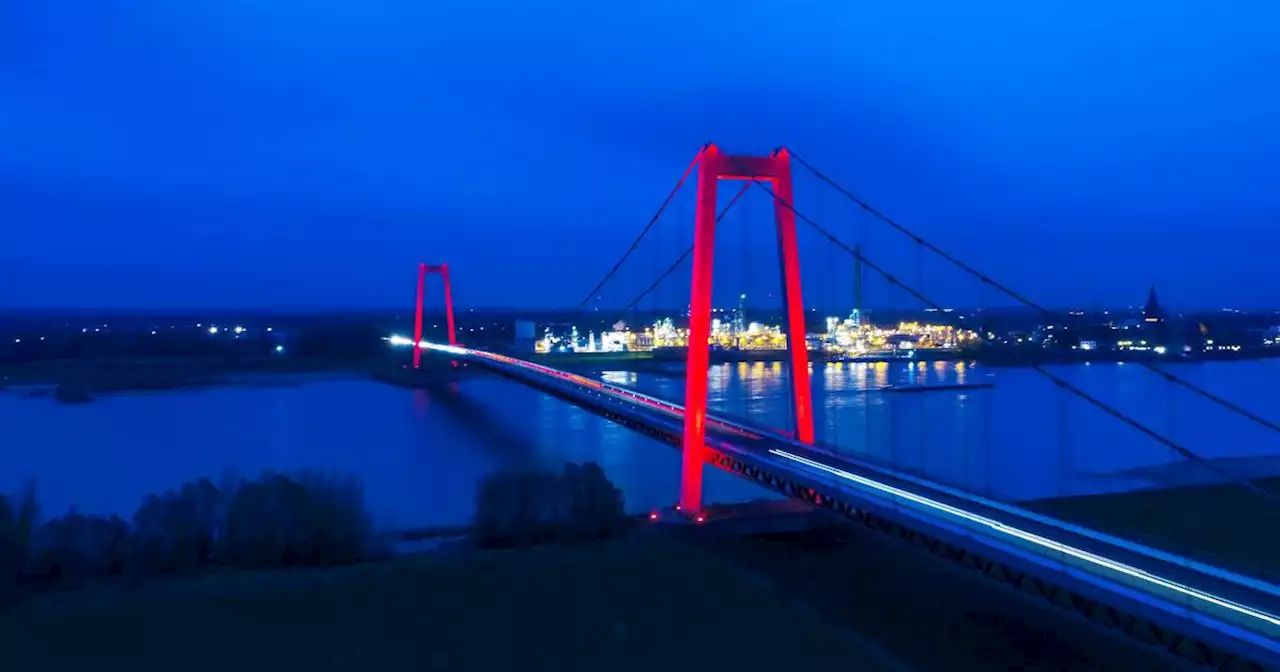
[850, 337]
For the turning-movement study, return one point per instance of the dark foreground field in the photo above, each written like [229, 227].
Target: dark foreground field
[930, 613]
[636, 604]
[853, 598]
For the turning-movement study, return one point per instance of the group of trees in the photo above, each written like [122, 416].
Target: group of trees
[531, 507]
[278, 520]
[275, 520]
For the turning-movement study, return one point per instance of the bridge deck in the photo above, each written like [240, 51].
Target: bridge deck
[1238, 610]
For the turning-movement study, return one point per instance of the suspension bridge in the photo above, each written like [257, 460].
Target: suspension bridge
[1191, 606]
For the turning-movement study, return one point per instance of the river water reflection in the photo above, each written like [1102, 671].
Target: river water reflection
[420, 454]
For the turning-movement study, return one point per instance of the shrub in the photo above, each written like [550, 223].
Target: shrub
[313, 519]
[598, 508]
[524, 508]
[76, 547]
[17, 527]
[177, 530]
[520, 508]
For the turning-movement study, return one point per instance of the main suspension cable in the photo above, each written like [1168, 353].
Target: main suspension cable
[672, 268]
[652, 221]
[1053, 378]
[1221, 401]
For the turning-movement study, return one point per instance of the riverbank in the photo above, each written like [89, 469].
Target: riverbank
[641, 603]
[644, 601]
[165, 373]
[1224, 525]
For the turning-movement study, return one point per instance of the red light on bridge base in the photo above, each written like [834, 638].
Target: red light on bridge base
[653, 515]
[700, 519]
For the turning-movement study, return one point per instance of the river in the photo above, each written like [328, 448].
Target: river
[421, 453]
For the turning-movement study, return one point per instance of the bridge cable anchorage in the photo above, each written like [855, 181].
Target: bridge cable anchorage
[652, 221]
[672, 268]
[1056, 380]
[1169, 377]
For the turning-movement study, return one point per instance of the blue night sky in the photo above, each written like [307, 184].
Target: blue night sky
[306, 153]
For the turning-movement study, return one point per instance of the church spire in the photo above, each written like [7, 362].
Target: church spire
[1152, 311]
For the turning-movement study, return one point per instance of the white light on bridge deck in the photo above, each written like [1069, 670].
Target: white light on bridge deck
[213, 330]
[279, 348]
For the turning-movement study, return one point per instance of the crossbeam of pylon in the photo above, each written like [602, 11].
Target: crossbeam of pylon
[443, 271]
[714, 166]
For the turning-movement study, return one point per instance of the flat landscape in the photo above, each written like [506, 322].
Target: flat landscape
[633, 604]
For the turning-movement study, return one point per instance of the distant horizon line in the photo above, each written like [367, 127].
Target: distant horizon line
[408, 310]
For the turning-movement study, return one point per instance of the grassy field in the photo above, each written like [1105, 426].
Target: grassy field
[930, 613]
[1221, 524]
[649, 604]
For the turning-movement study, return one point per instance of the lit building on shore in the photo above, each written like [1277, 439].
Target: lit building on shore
[849, 337]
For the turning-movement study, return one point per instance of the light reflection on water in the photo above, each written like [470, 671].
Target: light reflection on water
[421, 453]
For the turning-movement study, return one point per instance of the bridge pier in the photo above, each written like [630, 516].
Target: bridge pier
[435, 369]
[761, 516]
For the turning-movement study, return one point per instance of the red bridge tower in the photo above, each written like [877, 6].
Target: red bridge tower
[775, 170]
[443, 271]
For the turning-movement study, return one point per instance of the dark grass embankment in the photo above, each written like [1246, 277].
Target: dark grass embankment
[639, 603]
[928, 612]
[1224, 525]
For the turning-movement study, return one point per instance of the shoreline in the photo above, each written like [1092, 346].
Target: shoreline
[140, 374]
[74, 380]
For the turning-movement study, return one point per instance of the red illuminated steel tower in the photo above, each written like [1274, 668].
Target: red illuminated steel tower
[775, 171]
[443, 271]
